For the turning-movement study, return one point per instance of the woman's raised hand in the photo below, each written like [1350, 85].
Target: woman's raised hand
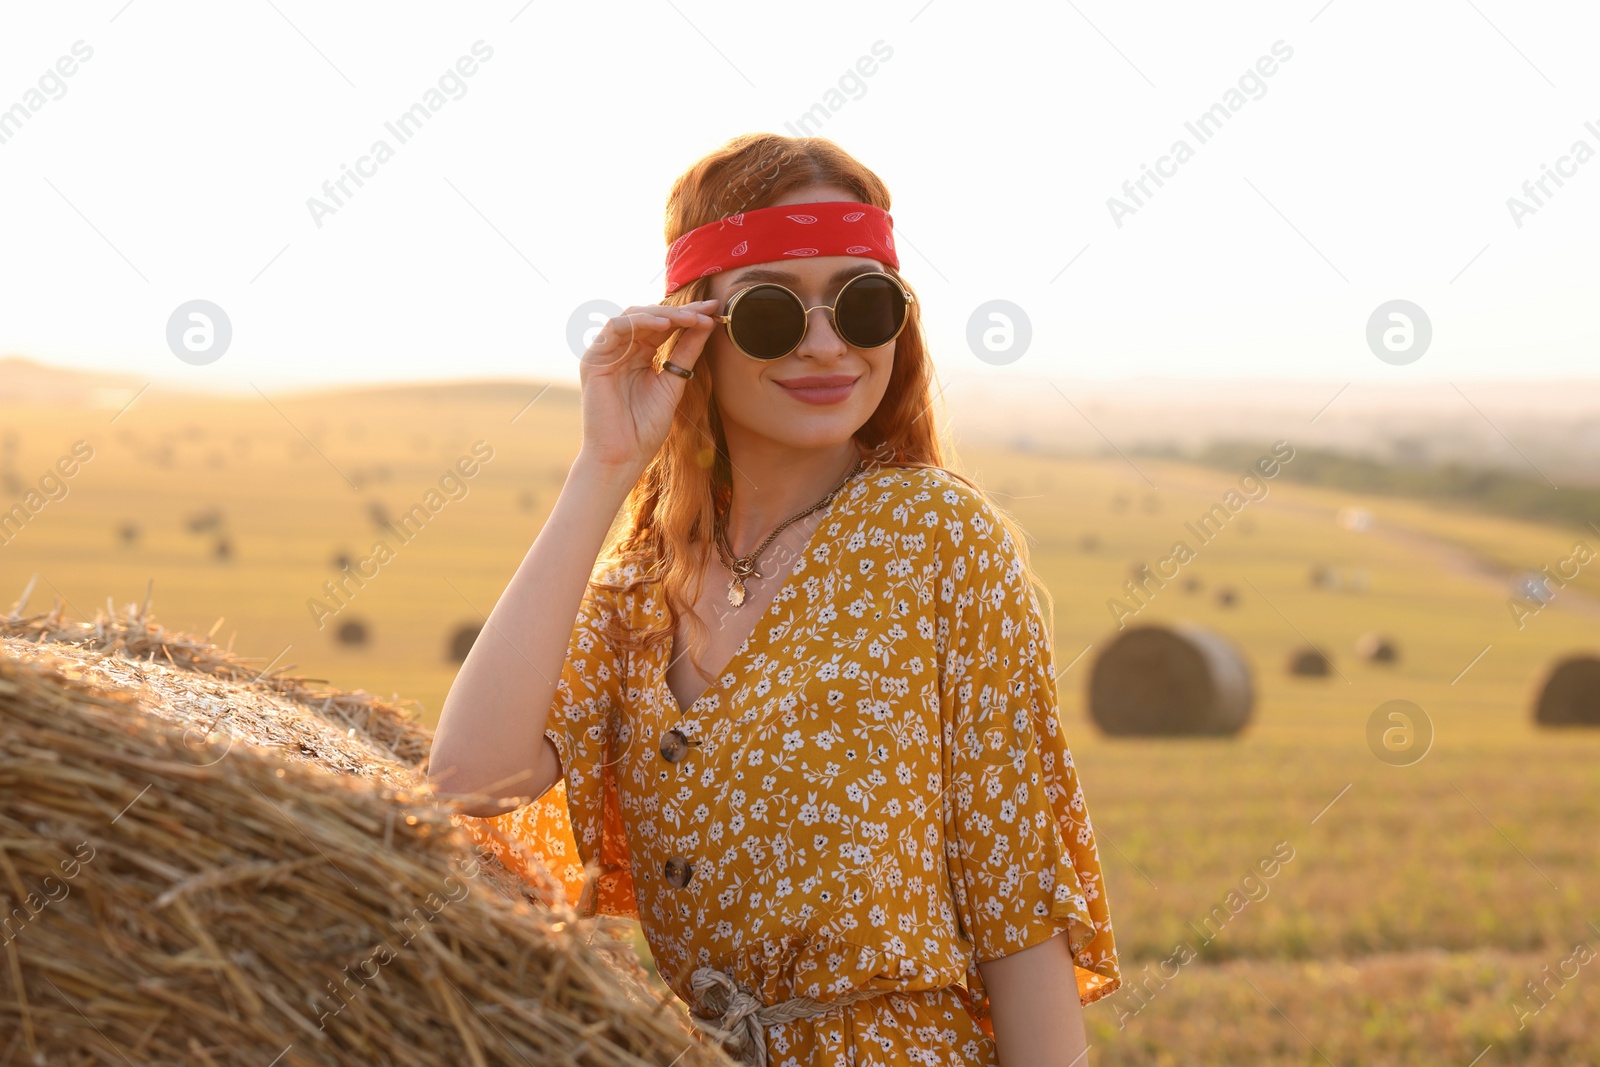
[628, 404]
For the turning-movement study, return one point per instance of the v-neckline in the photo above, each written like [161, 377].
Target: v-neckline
[744, 646]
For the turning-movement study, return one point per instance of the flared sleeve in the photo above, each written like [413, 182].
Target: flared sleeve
[1019, 843]
[572, 838]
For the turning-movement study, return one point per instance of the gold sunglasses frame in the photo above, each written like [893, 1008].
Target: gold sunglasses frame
[805, 316]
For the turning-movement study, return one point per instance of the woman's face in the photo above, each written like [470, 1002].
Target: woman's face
[823, 391]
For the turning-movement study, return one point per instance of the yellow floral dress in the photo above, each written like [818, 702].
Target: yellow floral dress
[876, 793]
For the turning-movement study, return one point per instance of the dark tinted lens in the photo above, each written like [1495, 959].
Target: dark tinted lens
[870, 311]
[768, 322]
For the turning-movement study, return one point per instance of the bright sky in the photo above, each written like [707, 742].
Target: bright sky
[1373, 163]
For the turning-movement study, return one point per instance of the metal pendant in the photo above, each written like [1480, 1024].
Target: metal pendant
[741, 569]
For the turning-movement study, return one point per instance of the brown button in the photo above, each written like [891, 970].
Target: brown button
[674, 745]
[678, 871]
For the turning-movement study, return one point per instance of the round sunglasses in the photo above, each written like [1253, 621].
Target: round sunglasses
[768, 321]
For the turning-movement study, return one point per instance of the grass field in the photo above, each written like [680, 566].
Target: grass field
[1419, 900]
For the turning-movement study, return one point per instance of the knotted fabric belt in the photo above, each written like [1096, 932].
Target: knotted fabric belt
[739, 1021]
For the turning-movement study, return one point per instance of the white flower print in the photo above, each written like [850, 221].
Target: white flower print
[893, 796]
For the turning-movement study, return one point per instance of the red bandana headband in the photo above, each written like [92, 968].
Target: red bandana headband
[825, 228]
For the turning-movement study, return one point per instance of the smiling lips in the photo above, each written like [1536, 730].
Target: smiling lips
[821, 389]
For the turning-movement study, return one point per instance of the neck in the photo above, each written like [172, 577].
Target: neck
[773, 482]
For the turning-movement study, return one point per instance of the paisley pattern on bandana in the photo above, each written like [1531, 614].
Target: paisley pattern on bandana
[788, 231]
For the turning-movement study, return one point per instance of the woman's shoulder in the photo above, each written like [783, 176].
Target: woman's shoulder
[904, 482]
[617, 574]
[930, 496]
[617, 584]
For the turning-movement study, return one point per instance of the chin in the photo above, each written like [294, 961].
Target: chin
[818, 431]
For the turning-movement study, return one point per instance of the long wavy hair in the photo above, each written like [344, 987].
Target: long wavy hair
[670, 514]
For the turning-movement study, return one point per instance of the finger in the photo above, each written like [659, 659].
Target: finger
[691, 309]
[686, 349]
[627, 334]
[647, 326]
[655, 325]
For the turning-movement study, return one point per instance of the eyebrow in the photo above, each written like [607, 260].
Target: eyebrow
[767, 274]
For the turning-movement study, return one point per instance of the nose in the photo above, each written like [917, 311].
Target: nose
[821, 341]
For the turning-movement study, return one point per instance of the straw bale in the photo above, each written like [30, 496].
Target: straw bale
[1569, 694]
[461, 641]
[207, 519]
[1308, 662]
[1377, 648]
[352, 632]
[1156, 681]
[203, 863]
[132, 633]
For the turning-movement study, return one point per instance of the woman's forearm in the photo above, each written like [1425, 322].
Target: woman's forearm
[1034, 1007]
[491, 728]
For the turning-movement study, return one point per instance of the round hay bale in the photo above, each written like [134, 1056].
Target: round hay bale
[223, 549]
[128, 533]
[1119, 503]
[1160, 681]
[1150, 504]
[352, 633]
[1319, 576]
[221, 905]
[1377, 648]
[1308, 662]
[462, 640]
[378, 513]
[1089, 543]
[133, 632]
[1192, 585]
[528, 501]
[341, 561]
[1226, 596]
[1570, 693]
[201, 521]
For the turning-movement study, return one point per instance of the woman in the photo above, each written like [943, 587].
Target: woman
[806, 718]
